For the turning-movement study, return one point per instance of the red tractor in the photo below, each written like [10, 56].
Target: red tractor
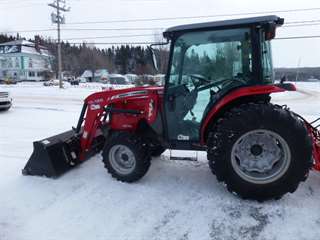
[216, 98]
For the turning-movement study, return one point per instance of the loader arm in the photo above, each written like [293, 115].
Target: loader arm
[116, 110]
[111, 109]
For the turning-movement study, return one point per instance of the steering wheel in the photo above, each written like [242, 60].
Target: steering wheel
[231, 80]
[198, 80]
[223, 82]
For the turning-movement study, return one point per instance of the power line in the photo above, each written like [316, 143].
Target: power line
[10, 3]
[154, 34]
[111, 29]
[29, 31]
[115, 43]
[297, 37]
[83, 29]
[19, 1]
[193, 17]
[124, 29]
[302, 25]
[141, 43]
[291, 24]
[116, 36]
[137, 35]
[305, 21]
[21, 6]
[145, 35]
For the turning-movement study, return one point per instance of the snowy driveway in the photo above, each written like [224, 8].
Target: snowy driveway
[175, 200]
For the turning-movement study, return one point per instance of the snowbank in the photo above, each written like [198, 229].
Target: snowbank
[175, 200]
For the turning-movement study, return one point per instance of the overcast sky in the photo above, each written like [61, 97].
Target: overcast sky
[35, 14]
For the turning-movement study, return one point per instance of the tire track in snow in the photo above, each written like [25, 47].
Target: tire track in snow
[242, 222]
[41, 108]
[50, 98]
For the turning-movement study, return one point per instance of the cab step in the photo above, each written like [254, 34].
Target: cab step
[179, 155]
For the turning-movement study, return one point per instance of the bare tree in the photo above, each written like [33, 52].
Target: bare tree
[92, 58]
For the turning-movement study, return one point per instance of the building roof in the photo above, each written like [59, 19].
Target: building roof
[17, 42]
[223, 24]
[23, 46]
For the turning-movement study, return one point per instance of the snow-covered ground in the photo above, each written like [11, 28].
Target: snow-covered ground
[175, 200]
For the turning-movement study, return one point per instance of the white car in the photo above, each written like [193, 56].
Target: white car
[55, 82]
[52, 82]
[5, 100]
[117, 79]
[82, 80]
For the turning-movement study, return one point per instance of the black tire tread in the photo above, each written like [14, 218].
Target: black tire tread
[140, 149]
[243, 115]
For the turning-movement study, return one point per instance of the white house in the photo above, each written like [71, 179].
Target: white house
[100, 75]
[23, 60]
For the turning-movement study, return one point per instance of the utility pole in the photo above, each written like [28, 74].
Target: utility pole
[58, 19]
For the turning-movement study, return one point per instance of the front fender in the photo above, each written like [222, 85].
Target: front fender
[236, 94]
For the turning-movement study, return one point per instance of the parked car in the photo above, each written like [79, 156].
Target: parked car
[82, 79]
[132, 78]
[74, 81]
[159, 79]
[8, 81]
[5, 100]
[52, 82]
[118, 79]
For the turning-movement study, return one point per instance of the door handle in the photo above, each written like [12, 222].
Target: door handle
[171, 103]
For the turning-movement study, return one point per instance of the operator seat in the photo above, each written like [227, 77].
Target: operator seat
[214, 98]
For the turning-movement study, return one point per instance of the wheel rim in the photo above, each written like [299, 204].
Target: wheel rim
[122, 159]
[260, 156]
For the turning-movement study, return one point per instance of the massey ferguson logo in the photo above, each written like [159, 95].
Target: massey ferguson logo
[99, 100]
[94, 106]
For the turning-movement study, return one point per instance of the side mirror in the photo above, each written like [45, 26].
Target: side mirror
[154, 58]
[283, 79]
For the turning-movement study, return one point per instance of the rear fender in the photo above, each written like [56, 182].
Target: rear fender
[236, 95]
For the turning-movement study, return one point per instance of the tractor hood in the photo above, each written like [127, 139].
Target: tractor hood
[122, 94]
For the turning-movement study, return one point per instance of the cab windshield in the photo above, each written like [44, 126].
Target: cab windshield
[213, 56]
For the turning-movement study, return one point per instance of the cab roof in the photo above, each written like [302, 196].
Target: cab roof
[234, 23]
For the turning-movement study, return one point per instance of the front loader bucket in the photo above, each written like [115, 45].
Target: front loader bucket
[56, 155]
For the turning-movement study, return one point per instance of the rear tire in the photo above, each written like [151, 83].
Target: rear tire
[260, 151]
[126, 157]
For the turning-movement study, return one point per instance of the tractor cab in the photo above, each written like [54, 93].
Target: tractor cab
[207, 61]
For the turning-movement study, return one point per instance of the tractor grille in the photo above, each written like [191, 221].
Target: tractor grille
[4, 94]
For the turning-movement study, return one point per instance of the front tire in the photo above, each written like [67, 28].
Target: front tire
[126, 157]
[260, 151]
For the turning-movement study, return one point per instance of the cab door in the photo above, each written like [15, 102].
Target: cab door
[202, 65]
